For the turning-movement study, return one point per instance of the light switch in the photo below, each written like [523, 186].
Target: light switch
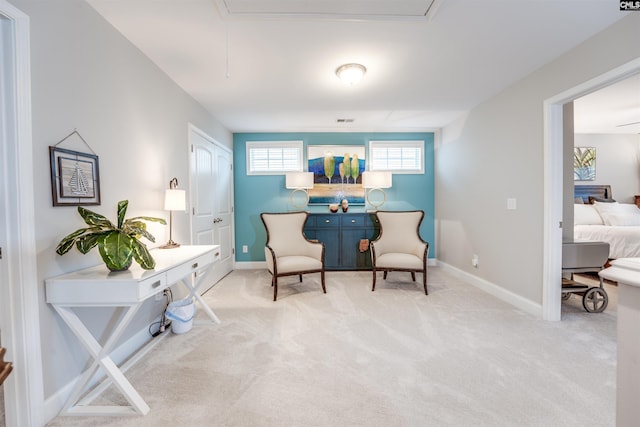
[511, 204]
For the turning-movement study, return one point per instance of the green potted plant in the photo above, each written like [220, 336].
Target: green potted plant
[118, 246]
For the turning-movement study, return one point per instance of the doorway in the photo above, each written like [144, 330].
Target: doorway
[19, 304]
[553, 182]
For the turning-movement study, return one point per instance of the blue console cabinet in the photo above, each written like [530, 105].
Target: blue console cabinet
[341, 234]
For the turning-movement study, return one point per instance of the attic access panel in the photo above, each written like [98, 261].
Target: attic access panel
[340, 9]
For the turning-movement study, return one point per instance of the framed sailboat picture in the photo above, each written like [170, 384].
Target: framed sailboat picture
[75, 177]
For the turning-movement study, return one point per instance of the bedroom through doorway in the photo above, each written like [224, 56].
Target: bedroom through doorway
[557, 189]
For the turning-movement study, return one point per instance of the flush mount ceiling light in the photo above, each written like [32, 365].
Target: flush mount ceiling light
[351, 73]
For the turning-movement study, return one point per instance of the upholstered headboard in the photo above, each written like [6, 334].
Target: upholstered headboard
[584, 191]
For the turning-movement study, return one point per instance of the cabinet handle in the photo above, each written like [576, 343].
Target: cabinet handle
[155, 284]
[353, 220]
[327, 221]
[217, 254]
[195, 265]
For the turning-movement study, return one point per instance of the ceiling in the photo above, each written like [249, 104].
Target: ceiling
[614, 109]
[269, 65]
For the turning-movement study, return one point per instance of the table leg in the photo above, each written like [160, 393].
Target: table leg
[194, 282]
[100, 354]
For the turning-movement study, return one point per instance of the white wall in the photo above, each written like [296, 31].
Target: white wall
[87, 76]
[617, 163]
[496, 152]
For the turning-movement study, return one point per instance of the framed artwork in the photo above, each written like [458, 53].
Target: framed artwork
[584, 163]
[75, 177]
[337, 173]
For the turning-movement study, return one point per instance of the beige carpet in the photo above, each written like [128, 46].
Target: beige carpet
[394, 357]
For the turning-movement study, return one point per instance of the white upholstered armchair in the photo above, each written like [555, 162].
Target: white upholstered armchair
[399, 246]
[287, 251]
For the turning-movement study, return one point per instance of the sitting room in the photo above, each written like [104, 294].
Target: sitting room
[143, 141]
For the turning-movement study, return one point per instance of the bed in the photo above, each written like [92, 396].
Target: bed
[600, 218]
[585, 192]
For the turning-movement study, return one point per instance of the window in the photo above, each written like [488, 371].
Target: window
[274, 157]
[397, 156]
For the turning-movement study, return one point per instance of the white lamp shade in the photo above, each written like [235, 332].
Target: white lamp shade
[175, 200]
[376, 179]
[298, 180]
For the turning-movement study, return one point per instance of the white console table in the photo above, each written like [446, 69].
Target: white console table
[97, 287]
[626, 271]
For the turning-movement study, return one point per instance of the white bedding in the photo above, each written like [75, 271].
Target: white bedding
[624, 240]
[615, 223]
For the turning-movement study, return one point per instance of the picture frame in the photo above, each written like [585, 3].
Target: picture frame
[75, 177]
[584, 163]
[340, 181]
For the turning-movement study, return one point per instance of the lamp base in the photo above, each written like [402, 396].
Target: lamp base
[376, 203]
[304, 201]
[170, 245]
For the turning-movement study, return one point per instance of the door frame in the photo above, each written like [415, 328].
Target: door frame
[19, 305]
[553, 182]
[193, 128]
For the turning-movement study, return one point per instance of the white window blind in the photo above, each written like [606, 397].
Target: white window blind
[274, 157]
[397, 156]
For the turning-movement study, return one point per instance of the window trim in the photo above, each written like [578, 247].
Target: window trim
[420, 144]
[296, 144]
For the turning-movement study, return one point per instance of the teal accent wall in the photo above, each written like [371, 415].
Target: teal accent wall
[267, 193]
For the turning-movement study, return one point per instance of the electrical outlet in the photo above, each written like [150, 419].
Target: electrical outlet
[474, 261]
[245, 249]
[160, 296]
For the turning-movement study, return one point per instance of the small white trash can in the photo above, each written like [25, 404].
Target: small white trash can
[181, 313]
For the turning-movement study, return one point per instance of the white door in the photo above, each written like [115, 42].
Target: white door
[211, 171]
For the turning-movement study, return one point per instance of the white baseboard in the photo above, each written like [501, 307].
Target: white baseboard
[250, 265]
[129, 351]
[495, 290]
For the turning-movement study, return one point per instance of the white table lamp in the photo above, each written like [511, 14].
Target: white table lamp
[299, 181]
[174, 200]
[376, 180]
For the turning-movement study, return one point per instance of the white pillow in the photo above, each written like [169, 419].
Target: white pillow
[586, 215]
[618, 213]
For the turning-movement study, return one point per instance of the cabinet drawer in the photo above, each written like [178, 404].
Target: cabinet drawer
[353, 221]
[152, 285]
[192, 266]
[107, 290]
[324, 221]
